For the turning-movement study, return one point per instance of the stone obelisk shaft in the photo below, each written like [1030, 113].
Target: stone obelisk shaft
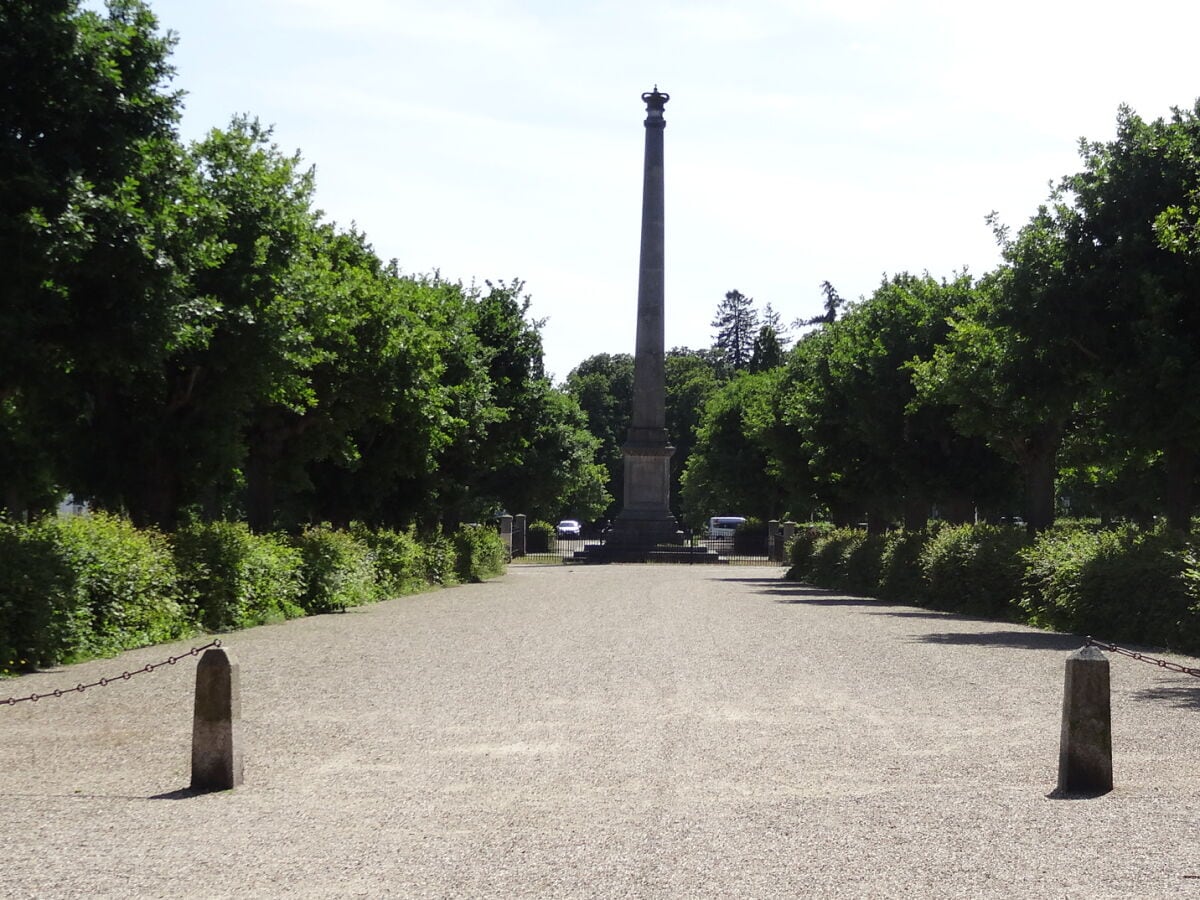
[645, 519]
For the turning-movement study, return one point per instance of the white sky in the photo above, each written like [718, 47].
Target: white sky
[807, 140]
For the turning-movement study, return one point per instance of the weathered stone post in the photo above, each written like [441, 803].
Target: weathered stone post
[506, 534]
[774, 541]
[789, 532]
[518, 539]
[216, 726]
[1085, 748]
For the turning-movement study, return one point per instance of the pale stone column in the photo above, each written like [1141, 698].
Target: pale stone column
[506, 534]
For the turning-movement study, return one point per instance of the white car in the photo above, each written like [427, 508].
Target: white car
[569, 528]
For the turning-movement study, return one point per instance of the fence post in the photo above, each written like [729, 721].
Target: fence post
[774, 541]
[216, 726]
[1085, 748]
[789, 533]
[518, 542]
[506, 534]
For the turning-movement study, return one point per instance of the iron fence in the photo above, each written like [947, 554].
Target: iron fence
[739, 550]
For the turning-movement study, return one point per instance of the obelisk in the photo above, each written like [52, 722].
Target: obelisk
[645, 519]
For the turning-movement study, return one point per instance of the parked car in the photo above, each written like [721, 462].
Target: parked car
[569, 528]
[724, 527]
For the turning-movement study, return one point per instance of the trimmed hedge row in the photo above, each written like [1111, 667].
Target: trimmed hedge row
[1127, 585]
[80, 587]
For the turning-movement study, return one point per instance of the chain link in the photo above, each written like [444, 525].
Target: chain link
[1142, 657]
[105, 682]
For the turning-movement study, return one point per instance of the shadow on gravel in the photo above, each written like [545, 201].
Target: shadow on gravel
[181, 794]
[1180, 697]
[1021, 640]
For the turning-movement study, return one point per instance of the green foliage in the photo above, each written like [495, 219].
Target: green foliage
[85, 586]
[398, 559]
[829, 553]
[237, 578]
[480, 553]
[750, 538]
[338, 571]
[974, 569]
[540, 537]
[1137, 586]
[801, 550]
[439, 559]
[900, 575]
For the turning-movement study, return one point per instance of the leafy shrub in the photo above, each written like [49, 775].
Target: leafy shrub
[44, 618]
[337, 570]
[861, 564]
[438, 558]
[900, 575]
[800, 550]
[237, 578]
[85, 586]
[974, 569]
[480, 553]
[750, 538]
[398, 559]
[829, 556]
[1135, 585]
[540, 537]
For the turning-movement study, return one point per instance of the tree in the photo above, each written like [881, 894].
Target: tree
[1135, 205]
[90, 228]
[692, 376]
[833, 303]
[1019, 357]
[602, 385]
[736, 323]
[850, 402]
[732, 468]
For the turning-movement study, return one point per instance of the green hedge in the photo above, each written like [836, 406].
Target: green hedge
[399, 560]
[1131, 586]
[79, 587]
[480, 553]
[974, 569]
[239, 578]
[338, 570]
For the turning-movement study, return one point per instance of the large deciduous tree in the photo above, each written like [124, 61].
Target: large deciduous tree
[90, 213]
[1136, 203]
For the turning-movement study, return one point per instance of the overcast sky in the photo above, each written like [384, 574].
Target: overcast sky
[807, 140]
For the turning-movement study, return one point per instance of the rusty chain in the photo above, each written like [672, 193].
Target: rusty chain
[1142, 657]
[104, 682]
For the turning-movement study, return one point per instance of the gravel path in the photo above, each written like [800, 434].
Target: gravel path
[608, 731]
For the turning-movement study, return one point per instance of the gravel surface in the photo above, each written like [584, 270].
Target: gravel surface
[607, 731]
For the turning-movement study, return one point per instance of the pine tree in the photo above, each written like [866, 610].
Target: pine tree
[737, 327]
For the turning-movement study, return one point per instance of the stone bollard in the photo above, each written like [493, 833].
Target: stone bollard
[217, 727]
[1085, 749]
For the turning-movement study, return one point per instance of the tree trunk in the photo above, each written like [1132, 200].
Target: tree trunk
[916, 513]
[958, 510]
[1037, 456]
[1180, 461]
[1039, 489]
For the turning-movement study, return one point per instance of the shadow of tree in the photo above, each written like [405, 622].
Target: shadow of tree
[1021, 640]
[1179, 696]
